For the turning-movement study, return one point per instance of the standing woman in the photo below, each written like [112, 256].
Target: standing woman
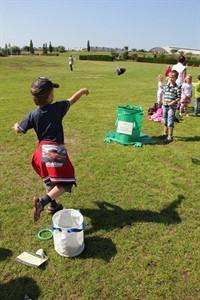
[181, 69]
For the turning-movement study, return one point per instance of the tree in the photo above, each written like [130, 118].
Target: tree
[173, 51]
[26, 48]
[15, 50]
[45, 50]
[7, 51]
[189, 55]
[61, 49]
[50, 48]
[181, 53]
[125, 53]
[114, 54]
[31, 49]
[88, 46]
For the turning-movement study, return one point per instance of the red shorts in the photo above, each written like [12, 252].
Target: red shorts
[51, 162]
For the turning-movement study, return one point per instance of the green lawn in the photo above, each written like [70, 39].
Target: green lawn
[141, 205]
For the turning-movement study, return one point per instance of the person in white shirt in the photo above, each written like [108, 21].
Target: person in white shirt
[71, 62]
[181, 69]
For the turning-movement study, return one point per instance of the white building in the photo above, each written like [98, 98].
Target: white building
[168, 49]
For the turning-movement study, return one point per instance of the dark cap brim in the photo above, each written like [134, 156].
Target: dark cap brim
[42, 85]
[55, 85]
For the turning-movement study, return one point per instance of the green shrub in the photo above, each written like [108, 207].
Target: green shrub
[167, 60]
[49, 54]
[96, 57]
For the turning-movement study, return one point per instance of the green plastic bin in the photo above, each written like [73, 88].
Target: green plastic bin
[129, 123]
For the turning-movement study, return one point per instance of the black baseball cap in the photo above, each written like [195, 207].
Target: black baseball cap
[42, 85]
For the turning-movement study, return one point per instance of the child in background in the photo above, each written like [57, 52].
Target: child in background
[168, 70]
[50, 160]
[159, 92]
[186, 95]
[196, 86]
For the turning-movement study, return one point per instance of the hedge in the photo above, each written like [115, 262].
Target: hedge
[167, 61]
[96, 57]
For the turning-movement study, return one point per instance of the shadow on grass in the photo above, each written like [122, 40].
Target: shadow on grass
[5, 253]
[178, 138]
[109, 216]
[100, 248]
[16, 289]
[188, 138]
[159, 141]
[195, 161]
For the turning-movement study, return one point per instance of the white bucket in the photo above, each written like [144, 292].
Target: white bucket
[68, 235]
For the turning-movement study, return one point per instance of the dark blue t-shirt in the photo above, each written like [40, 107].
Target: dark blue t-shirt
[47, 121]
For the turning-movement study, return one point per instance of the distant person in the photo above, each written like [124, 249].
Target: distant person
[186, 95]
[181, 69]
[171, 97]
[71, 62]
[167, 71]
[159, 92]
[50, 160]
[196, 86]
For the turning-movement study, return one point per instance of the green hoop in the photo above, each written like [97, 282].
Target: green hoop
[45, 238]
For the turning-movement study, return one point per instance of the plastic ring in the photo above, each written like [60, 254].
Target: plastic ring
[45, 238]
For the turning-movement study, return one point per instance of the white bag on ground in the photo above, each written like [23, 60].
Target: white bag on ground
[68, 226]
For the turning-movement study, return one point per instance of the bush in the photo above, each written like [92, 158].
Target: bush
[50, 54]
[96, 57]
[167, 60]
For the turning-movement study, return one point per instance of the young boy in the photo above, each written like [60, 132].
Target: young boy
[50, 160]
[171, 97]
[197, 96]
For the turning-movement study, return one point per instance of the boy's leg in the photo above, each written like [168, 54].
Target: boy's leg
[165, 117]
[165, 130]
[53, 205]
[171, 115]
[49, 198]
[171, 133]
[56, 191]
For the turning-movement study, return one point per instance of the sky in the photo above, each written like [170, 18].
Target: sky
[142, 24]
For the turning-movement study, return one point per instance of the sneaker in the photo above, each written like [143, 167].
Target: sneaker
[52, 210]
[38, 208]
[168, 141]
[162, 136]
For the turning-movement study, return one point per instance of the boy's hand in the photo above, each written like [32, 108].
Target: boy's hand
[86, 91]
[78, 95]
[16, 128]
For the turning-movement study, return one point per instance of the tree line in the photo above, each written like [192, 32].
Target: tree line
[15, 50]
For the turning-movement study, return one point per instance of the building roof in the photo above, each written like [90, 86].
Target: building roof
[168, 49]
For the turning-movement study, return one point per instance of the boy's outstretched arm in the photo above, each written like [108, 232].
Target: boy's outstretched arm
[78, 95]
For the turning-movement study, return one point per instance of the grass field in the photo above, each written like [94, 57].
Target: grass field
[141, 205]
